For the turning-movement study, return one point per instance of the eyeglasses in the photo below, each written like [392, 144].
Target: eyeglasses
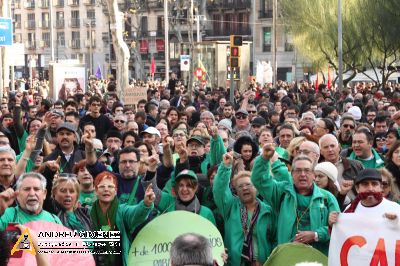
[306, 152]
[251, 112]
[95, 104]
[128, 161]
[119, 121]
[103, 187]
[180, 135]
[348, 126]
[381, 139]
[244, 186]
[241, 116]
[298, 171]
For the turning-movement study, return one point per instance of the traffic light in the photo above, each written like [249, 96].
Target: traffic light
[234, 62]
[235, 51]
[236, 40]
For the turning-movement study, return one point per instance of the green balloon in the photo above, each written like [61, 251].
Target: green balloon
[153, 243]
[291, 253]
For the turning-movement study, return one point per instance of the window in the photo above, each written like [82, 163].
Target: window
[217, 24]
[60, 19]
[228, 27]
[160, 24]
[31, 21]
[18, 37]
[75, 18]
[46, 39]
[144, 26]
[266, 9]
[45, 20]
[61, 39]
[91, 14]
[75, 43]
[17, 19]
[243, 25]
[267, 39]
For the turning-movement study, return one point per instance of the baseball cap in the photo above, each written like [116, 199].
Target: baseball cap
[186, 173]
[368, 174]
[242, 111]
[57, 112]
[258, 121]
[152, 131]
[67, 126]
[198, 139]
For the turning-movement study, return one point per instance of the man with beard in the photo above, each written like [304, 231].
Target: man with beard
[31, 193]
[347, 129]
[370, 198]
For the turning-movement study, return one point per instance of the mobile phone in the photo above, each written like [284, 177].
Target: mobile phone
[12, 234]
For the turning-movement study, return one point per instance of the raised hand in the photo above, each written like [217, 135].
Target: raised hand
[7, 198]
[227, 159]
[346, 186]
[182, 151]
[268, 151]
[214, 131]
[88, 142]
[149, 196]
[54, 165]
[30, 143]
[152, 162]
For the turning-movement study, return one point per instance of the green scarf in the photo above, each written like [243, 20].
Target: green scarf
[100, 220]
[106, 222]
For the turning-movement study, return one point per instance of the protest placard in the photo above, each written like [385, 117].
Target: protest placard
[153, 243]
[134, 94]
[364, 240]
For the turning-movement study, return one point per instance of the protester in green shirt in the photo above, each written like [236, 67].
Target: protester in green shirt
[87, 194]
[31, 189]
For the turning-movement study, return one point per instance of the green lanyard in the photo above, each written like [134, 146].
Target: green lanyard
[132, 196]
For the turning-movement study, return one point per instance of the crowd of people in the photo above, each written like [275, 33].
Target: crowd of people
[275, 165]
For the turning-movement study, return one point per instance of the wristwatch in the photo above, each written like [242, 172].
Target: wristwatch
[316, 237]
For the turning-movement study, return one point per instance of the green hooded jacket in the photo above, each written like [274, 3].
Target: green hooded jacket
[282, 197]
[229, 207]
[128, 218]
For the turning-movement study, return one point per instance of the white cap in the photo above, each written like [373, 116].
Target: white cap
[355, 111]
[152, 131]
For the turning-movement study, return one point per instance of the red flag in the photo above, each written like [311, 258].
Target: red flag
[152, 66]
[329, 78]
[317, 81]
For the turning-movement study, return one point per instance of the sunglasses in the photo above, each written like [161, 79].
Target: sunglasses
[241, 116]
[119, 121]
[348, 126]
[252, 112]
[380, 139]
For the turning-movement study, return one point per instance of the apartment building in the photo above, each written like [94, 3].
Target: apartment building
[80, 32]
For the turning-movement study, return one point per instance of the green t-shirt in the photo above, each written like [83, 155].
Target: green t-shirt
[87, 199]
[16, 215]
[303, 213]
[368, 163]
[73, 222]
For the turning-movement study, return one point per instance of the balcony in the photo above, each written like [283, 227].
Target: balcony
[44, 3]
[44, 24]
[155, 4]
[75, 22]
[75, 44]
[73, 3]
[30, 5]
[89, 2]
[30, 24]
[30, 45]
[87, 43]
[60, 24]
[44, 44]
[59, 3]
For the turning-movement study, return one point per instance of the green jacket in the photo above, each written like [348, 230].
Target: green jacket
[128, 218]
[17, 215]
[376, 162]
[282, 197]
[229, 206]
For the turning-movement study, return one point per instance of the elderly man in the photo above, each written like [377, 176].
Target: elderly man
[347, 169]
[242, 122]
[307, 119]
[7, 168]
[207, 118]
[310, 149]
[191, 249]
[243, 248]
[31, 188]
[301, 206]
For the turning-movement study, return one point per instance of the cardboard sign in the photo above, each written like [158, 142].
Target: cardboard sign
[365, 240]
[153, 243]
[134, 94]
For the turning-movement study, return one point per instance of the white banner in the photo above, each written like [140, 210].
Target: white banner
[364, 240]
[185, 62]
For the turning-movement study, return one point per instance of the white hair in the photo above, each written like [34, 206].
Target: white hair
[43, 181]
[309, 113]
[326, 137]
